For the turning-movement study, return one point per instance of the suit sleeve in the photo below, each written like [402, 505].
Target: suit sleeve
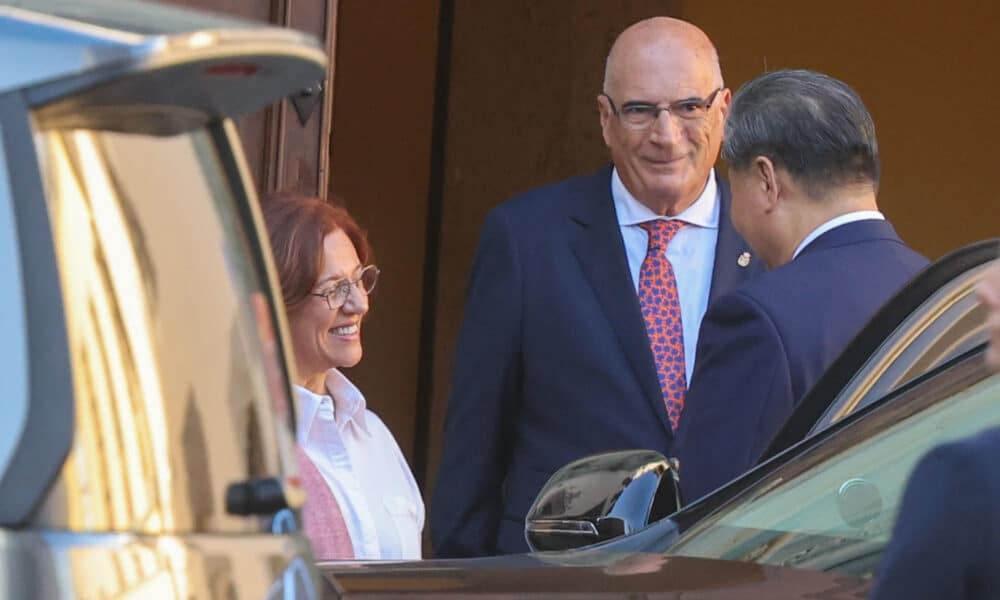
[939, 545]
[739, 396]
[466, 507]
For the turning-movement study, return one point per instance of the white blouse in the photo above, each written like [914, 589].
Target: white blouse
[361, 462]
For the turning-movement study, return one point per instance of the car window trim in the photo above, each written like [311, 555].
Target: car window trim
[968, 364]
[48, 431]
[229, 149]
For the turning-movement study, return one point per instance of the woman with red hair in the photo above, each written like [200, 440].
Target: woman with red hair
[323, 261]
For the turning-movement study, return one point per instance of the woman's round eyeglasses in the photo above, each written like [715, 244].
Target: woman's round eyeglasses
[338, 291]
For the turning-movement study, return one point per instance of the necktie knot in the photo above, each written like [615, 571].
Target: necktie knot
[661, 232]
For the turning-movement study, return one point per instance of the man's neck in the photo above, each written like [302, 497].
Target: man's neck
[812, 213]
[674, 205]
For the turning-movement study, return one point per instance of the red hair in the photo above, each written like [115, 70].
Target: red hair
[297, 225]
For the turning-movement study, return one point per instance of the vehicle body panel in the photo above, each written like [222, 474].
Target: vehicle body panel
[104, 565]
[147, 356]
[611, 575]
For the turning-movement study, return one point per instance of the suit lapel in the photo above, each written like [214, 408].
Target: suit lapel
[601, 253]
[731, 252]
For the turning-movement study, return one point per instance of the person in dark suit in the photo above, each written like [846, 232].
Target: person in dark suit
[946, 542]
[988, 292]
[803, 162]
[585, 296]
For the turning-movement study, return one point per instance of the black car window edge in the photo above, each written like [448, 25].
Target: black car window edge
[867, 342]
[48, 429]
[230, 153]
[926, 388]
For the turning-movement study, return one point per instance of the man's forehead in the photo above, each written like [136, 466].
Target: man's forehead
[664, 67]
[663, 84]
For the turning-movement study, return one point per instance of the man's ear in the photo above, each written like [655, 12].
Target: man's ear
[604, 110]
[725, 101]
[771, 186]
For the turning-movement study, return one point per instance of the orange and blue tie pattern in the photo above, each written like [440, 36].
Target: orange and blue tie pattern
[661, 309]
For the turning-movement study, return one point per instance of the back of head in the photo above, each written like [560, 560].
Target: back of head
[810, 124]
[296, 226]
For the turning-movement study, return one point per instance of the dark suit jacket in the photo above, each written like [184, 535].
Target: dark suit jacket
[761, 348]
[552, 362]
[946, 543]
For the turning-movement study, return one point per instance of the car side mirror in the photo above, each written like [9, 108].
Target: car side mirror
[601, 497]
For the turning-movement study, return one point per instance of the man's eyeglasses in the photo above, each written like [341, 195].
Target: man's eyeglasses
[338, 291]
[640, 115]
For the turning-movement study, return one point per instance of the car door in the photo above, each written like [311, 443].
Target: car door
[148, 450]
[169, 415]
[829, 504]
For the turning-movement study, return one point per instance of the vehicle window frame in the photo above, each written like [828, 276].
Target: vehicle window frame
[906, 352]
[48, 430]
[230, 153]
[863, 349]
[896, 402]
[12, 322]
[249, 236]
[930, 390]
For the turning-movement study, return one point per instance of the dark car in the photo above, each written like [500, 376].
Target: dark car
[145, 439]
[811, 521]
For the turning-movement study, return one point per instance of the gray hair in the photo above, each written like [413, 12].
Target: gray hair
[810, 124]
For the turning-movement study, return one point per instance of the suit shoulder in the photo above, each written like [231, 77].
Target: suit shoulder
[763, 290]
[740, 310]
[554, 198]
[980, 449]
[887, 265]
[963, 464]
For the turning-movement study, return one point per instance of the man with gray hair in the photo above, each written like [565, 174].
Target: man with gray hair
[804, 167]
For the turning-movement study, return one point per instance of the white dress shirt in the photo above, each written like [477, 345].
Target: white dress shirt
[844, 219]
[691, 253]
[361, 462]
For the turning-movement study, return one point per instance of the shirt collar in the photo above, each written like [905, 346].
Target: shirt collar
[704, 212]
[844, 219]
[349, 405]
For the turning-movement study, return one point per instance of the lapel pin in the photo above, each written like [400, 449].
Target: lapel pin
[743, 260]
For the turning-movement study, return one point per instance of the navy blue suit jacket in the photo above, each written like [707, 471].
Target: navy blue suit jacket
[761, 348]
[946, 543]
[552, 362]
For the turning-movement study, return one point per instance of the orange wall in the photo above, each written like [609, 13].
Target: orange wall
[928, 76]
[380, 168]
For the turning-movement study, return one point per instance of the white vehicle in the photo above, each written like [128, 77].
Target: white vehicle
[145, 445]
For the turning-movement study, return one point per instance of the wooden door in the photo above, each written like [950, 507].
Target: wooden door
[283, 150]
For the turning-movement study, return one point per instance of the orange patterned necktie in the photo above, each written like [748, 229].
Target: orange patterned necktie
[661, 310]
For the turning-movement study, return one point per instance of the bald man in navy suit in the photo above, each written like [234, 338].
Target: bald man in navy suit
[803, 162]
[554, 360]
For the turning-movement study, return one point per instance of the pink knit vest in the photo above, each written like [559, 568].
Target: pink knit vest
[322, 519]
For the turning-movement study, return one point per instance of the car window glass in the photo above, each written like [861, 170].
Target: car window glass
[167, 322]
[835, 511]
[947, 324]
